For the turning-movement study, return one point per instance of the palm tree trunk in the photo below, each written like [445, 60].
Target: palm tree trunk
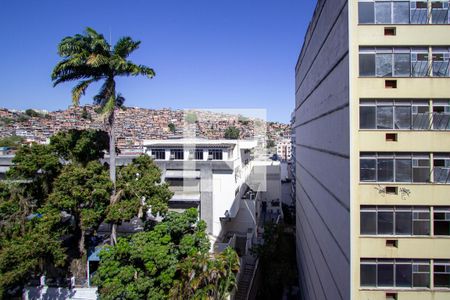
[112, 170]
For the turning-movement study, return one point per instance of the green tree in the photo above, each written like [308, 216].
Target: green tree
[11, 141]
[89, 58]
[172, 127]
[138, 188]
[83, 193]
[80, 146]
[32, 113]
[29, 243]
[232, 133]
[155, 264]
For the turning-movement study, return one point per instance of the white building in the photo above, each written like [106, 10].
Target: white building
[222, 179]
[284, 149]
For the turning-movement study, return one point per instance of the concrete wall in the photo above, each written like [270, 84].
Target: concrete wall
[322, 155]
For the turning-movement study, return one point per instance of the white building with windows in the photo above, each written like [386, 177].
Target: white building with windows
[284, 149]
[221, 178]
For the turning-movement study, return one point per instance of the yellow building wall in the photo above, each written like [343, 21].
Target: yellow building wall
[374, 141]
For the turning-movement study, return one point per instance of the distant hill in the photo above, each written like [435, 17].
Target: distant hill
[133, 125]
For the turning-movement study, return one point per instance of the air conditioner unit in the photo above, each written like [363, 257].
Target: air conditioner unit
[172, 156]
[210, 157]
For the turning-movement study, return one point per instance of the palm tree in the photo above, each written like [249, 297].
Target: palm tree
[89, 58]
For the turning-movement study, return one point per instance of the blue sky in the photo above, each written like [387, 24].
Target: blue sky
[206, 53]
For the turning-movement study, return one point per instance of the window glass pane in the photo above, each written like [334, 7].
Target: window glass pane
[385, 222]
[441, 118]
[439, 13]
[367, 117]
[441, 226]
[418, 13]
[368, 275]
[368, 170]
[440, 65]
[367, 64]
[366, 12]
[419, 64]
[421, 227]
[383, 12]
[402, 64]
[421, 117]
[441, 279]
[403, 275]
[385, 274]
[403, 170]
[385, 117]
[403, 223]
[368, 222]
[401, 12]
[402, 117]
[421, 174]
[383, 63]
[421, 280]
[385, 170]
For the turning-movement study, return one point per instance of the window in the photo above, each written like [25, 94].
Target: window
[368, 274]
[392, 62]
[421, 168]
[394, 220]
[420, 115]
[159, 153]
[441, 168]
[385, 222]
[401, 273]
[441, 114]
[199, 154]
[394, 167]
[442, 273]
[439, 12]
[385, 117]
[366, 63]
[440, 58]
[441, 221]
[366, 12]
[368, 171]
[400, 13]
[177, 154]
[385, 169]
[398, 114]
[419, 12]
[403, 12]
[215, 154]
[367, 116]
[421, 221]
[419, 62]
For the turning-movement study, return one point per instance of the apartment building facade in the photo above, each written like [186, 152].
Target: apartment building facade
[373, 151]
[221, 178]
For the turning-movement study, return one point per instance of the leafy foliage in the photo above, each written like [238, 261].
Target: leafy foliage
[80, 146]
[232, 133]
[138, 188]
[172, 127]
[82, 192]
[11, 141]
[167, 261]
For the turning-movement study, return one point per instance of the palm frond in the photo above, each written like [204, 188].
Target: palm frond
[125, 46]
[80, 89]
[106, 92]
